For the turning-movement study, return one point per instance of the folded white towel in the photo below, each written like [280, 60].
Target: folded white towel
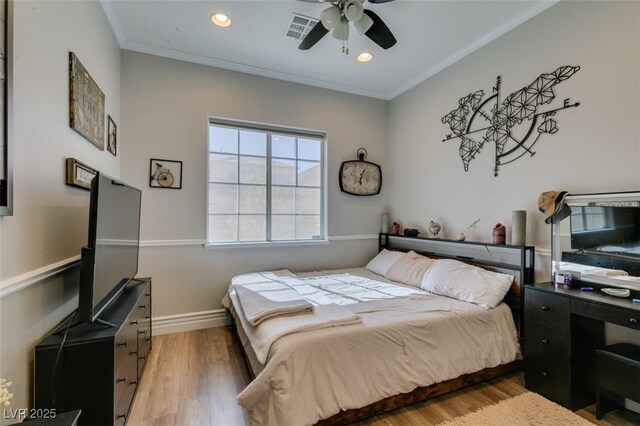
[278, 300]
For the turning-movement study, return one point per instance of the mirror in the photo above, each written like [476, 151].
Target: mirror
[599, 241]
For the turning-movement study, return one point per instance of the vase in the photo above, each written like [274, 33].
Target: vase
[499, 232]
[519, 228]
[385, 223]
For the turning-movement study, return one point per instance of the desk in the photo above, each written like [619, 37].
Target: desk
[562, 330]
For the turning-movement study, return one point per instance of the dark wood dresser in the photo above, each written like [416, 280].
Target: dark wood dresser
[563, 328]
[99, 366]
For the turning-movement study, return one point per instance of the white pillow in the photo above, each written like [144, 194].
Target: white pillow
[410, 269]
[383, 261]
[467, 283]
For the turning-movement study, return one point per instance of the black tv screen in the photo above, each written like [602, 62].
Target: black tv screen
[606, 229]
[110, 259]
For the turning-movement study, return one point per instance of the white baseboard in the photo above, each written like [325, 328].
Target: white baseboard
[191, 321]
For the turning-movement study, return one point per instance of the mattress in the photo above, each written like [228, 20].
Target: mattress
[400, 345]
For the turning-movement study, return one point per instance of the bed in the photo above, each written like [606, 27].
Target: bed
[410, 344]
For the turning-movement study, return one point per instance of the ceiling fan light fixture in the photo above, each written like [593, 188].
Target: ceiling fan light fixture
[341, 31]
[363, 24]
[220, 19]
[330, 17]
[353, 10]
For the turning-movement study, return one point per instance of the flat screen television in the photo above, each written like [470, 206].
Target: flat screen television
[110, 259]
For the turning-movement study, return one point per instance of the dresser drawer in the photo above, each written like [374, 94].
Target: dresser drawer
[124, 406]
[549, 380]
[624, 317]
[125, 374]
[542, 342]
[546, 308]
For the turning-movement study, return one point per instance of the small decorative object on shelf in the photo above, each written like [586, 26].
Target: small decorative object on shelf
[519, 228]
[435, 228]
[462, 236]
[411, 232]
[395, 228]
[385, 223]
[499, 233]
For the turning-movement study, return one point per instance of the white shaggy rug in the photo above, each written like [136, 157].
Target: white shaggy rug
[528, 409]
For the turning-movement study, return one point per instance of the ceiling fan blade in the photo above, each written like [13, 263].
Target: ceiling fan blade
[317, 32]
[379, 32]
[372, 1]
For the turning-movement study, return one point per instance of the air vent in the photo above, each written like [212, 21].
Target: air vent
[299, 26]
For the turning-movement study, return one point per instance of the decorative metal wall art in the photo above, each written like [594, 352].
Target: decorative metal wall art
[514, 124]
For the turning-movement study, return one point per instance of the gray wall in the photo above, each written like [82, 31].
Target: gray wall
[165, 105]
[49, 224]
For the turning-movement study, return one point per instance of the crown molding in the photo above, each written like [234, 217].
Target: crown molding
[113, 21]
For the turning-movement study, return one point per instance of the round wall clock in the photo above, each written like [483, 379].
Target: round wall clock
[359, 177]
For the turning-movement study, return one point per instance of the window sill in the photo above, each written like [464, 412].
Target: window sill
[265, 244]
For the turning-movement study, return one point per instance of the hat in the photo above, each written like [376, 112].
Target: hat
[551, 203]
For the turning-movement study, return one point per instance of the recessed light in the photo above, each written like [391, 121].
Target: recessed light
[364, 57]
[220, 19]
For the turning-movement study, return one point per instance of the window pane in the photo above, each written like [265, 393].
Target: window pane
[222, 139]
[283, 146]
[223, 199]
[307, 227]
[223, 168]
[283, 228]
[308, 173]
[253, 199]
[309, 149]
[253, 228]
[283, 200]
[283, 172]
[576, 222]
[253, 143]
[223, 228]
[308, 200]
[253, 170]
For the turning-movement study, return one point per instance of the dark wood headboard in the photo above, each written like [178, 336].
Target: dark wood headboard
[515, 260]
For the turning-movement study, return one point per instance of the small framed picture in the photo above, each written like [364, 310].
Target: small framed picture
[165, 174]
[112, 137]
[79, 174]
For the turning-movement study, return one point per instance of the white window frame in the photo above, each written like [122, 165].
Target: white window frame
[281, 130]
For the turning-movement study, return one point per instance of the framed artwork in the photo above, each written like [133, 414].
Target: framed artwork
[6, 107]
[112, 136]
[86, 103]
[165, 174]
[79, 174]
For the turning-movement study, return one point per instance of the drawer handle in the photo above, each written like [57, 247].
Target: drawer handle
[546, 308]
[544, 374]
[136, 322]
[133, 353]
[142, 332]
[148, 317]
[121, 416]
[118, 345]
[142, 357]
[148, 339]
[545, 341]
[148, 294]
[135, 382]
[122, 379]
[633, 320]
[142, 307]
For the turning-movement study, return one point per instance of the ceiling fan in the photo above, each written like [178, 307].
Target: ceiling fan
[337, 17]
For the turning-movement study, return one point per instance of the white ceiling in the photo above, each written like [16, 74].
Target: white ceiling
[431, 35]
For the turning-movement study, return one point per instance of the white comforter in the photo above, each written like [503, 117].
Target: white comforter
[408, 338]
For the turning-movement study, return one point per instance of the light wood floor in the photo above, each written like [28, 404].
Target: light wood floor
[193, 378]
